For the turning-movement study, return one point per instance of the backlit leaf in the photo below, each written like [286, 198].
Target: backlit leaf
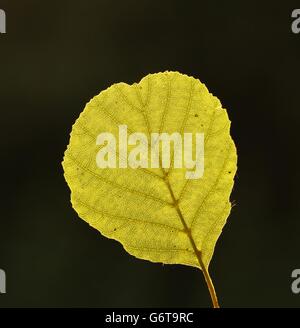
[157, 214]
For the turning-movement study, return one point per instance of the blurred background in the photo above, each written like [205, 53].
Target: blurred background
[56, 55]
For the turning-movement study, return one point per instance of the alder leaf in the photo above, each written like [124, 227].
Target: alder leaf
[156, 213]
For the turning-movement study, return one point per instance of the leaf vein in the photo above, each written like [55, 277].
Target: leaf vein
[125, 218]
[211, 189]
[114, 184]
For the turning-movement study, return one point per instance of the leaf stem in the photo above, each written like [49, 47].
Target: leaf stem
[209, 283]
[187, 230]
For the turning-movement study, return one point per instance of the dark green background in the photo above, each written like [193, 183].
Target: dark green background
[56, 56]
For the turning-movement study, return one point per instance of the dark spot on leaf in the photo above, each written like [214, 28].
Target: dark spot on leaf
[196, 115]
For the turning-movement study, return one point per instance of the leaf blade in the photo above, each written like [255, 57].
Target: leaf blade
[134, 206]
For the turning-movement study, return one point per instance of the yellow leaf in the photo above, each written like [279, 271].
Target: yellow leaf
[156, 213]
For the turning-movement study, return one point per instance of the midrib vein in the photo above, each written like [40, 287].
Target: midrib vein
[197, 252]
